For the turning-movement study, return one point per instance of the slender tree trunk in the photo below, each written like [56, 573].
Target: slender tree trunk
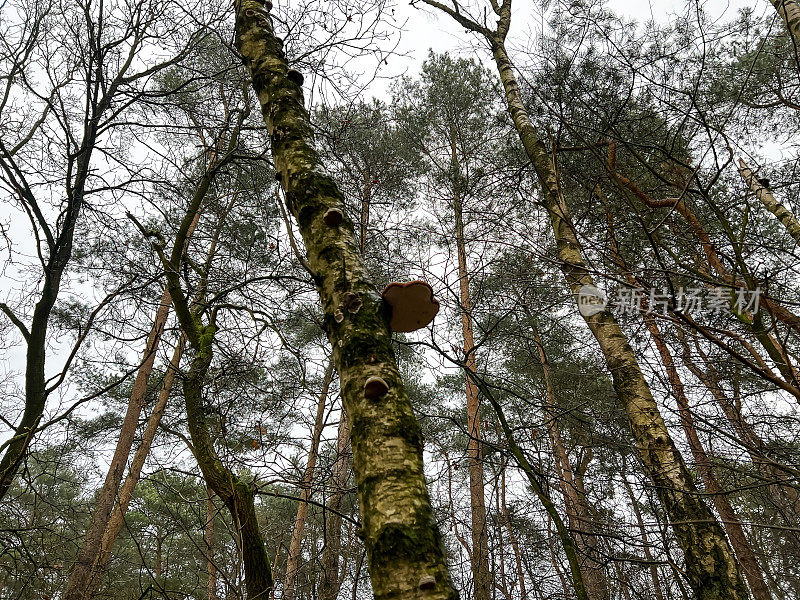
[730, 520]
[710, 564]
[126, 491]
[764, 194]
[329, 578]
[645, 542]
[80, 583]
[537, 483]
[81, 575]
[511, 536]
[575, 501]
[480, 536]
[405, 549]
[295, 546]
[139, 458]
[211, 568]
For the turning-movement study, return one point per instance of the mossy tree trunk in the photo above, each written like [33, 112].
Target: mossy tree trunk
[404, 546]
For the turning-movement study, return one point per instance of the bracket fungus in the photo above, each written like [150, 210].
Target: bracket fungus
[295, 77]
[333, 217]
[427, 582]
[375, 388]
[413, 305]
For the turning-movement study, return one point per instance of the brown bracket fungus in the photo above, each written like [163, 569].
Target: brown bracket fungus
[333, 217]
[295, 77]
[375, 388]
[427, 582]
[413, 305]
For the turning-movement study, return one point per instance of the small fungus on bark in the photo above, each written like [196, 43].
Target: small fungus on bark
[352, 300]
[333, 217]
[427, 582]
[338, 315]
[413, 305]
[375, 388]
[295, 77]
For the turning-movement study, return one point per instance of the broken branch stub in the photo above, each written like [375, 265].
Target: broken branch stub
[413, 305]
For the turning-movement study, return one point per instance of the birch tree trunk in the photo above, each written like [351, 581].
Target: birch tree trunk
[710, 564]
[765, 196]
[405, 550]
[789, 10]
[295, 546]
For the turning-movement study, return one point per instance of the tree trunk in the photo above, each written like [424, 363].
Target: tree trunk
[80, 578]
[511, 535]
[645, 542]
[710, 564]
[575, 501]
[81, 584]
[405, 549]
[295, 546]
[480, 536]
[764, 194]
[329, 578]
[211, 512]
[789, 10]
[730, 520]
[237, 496]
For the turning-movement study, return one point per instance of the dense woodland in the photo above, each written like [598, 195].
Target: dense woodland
[213, 385]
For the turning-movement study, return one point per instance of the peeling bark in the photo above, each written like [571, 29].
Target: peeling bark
[403, 542]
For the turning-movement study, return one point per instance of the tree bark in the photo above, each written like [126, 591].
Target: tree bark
[789, 10]
[293, 560]
[405, 549]
[139, 458]
[80, 584]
